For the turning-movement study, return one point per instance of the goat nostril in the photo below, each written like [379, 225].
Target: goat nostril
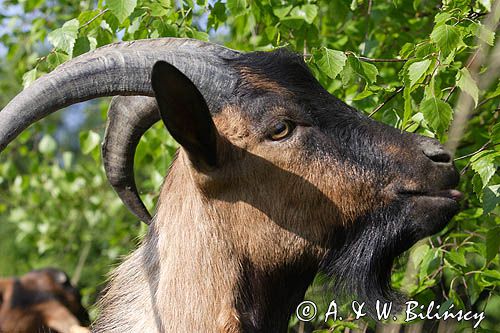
[435, 152]
[441, 157]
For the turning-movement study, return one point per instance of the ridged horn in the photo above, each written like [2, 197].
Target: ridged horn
[118, 69]
[129, 117]
[121, 69]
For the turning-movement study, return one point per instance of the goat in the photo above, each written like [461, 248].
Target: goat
[275, 179]
[41, 301]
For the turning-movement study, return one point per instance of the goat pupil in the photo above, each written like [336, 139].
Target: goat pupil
[281, 127]
[281, 130]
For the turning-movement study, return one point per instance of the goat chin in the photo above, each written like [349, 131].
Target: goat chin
[360, 259]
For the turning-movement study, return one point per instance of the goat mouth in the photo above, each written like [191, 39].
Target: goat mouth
[433, 209]
[452, 194]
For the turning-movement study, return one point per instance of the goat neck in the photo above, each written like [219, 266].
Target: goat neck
[204, 263]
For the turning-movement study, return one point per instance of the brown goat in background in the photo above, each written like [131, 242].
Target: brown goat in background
[41, 301]
[275, 180]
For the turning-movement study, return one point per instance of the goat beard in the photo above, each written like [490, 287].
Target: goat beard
[360, 257]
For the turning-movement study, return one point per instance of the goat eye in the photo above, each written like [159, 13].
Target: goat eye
[281, 130]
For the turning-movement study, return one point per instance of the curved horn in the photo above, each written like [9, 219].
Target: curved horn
[129, 117]
[118, 69]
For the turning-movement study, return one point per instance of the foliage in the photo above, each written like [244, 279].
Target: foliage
[402, 62]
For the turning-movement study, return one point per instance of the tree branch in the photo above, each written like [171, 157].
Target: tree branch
[102, 12]
[366, 59]
[398, 90]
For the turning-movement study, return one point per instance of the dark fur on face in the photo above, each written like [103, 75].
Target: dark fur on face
[361, 258]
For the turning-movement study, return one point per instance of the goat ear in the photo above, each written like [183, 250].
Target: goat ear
[185, 114]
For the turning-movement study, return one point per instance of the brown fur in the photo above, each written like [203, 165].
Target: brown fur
[262, 82]
[37, 302]
[187, 221]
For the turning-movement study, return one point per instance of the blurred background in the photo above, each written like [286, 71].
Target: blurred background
[404, 63]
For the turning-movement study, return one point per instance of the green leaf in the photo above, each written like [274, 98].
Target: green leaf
[406, 50]
[442, 17]
[64, 37]
[407, 106]
[331, 62]
[495, 133]
[362, 95]
[456, 257]
[446, 37]
[47, 145]
[491, 198]
[121, 8]
[168, 3]
[236, 7]
[218, 12]
[82, 45]
[430, 262]
[477, 185]
[306, 12]
[29, 77]
[424, 49]
[369, 71]
[467, 84]
[281, 12]
[416, 70]
[437, 113]
[445, 306]
[31, 5]
[418, 253]
[157, 10]
[483, 33]
[486, 4]
[355, 68]
[492, 274]
[492, 243]
[89, 141]
[200, 35]
[56, 58]
[484, 164]
[354, 5]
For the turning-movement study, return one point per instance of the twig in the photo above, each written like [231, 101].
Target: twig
[466, 167]
[484, 101]
[380, 106]
[81, 262]
[184, 16]
[102, 12]
[40, 60]
[366, 59]
[486, 145]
